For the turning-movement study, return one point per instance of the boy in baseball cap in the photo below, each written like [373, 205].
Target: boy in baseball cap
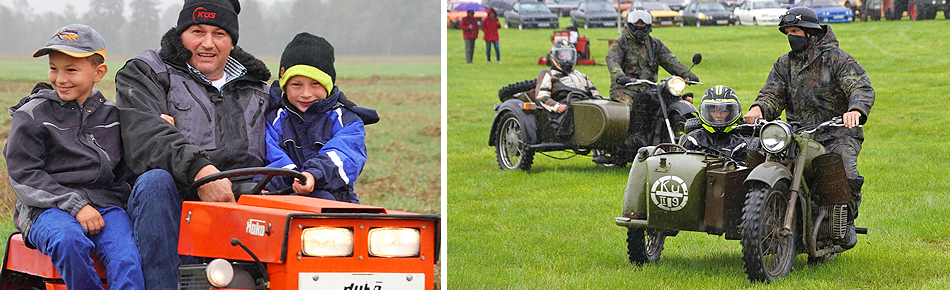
[65, 163]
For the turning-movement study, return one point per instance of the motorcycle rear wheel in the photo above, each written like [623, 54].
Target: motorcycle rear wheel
[644, 245]
[512, 148]
[767, 253]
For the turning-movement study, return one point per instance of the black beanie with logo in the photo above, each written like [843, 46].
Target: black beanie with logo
[311, 56]
[220, 13]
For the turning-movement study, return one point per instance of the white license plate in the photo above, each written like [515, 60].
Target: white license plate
[347, 281]
[722, 21]
[544, 24]
[609, 24]
[666, 22]
[839, 17]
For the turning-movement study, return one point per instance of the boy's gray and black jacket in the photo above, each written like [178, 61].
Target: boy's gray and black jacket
[64, 155]
[220, 127]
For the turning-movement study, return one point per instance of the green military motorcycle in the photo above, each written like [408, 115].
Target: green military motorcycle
[790, 198]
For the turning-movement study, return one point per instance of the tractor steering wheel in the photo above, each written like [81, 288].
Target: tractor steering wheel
[268, 172]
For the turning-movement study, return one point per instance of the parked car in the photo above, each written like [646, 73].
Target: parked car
[624, 4]
[596, 13]
[759, 12]
[676, 5]
[562, 7]
[530, 14]
[707, 13]
[500, 6]
[662, 14]
[453, 16]
[829, 11]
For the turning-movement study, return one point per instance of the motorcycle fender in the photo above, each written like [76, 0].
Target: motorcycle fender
[528, 121]
[769, 172]
[682, 108]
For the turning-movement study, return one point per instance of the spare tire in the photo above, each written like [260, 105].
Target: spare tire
[509, 91]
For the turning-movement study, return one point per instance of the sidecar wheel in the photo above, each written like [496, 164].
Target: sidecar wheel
[512, 148]
[509, 91]
[644, 245]
[767, 253]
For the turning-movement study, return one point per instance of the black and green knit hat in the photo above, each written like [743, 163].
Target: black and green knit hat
[311, 56]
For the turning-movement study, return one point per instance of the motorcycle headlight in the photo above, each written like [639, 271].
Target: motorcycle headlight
[219, 273]
[676, 86]
[327, 242]
[394, 242]
[775, 137]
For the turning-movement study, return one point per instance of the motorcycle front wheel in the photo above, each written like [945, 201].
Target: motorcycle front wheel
[644, 245]
[767, 251]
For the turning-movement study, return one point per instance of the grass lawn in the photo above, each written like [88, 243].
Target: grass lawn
[553, 227]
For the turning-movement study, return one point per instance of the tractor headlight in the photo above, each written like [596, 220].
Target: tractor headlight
[775, 137]
[676, 85]
[219, 273]
[394, 242]
[327, 242]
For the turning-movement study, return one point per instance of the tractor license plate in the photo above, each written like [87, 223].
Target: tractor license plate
[341, 281]
[544, 24]
[722, 22]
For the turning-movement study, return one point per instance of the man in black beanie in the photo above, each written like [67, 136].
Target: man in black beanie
[187, 110]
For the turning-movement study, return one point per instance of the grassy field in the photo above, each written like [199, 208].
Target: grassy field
[553, 227]
[403, 170]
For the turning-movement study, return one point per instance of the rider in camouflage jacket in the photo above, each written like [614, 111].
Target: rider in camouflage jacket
[816, 82]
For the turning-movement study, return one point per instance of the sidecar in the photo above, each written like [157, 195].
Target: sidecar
[670, 189]
[520, 127]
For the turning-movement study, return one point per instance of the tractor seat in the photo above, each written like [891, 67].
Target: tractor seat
[22, 259]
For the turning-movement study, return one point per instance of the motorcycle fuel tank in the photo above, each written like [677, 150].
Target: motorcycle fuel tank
[600, 123]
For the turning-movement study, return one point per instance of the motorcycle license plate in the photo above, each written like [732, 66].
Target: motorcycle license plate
[544, 24]
[722, 21]
[388, 281]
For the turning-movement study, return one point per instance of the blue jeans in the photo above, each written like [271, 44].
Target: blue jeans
[59, 235]
[488, 45]
[155, 209]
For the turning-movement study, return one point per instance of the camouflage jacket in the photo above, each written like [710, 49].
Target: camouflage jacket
[640, 59]
[817, 85]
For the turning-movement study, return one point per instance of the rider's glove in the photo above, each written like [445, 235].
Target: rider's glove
[623, 80]
[693, 78]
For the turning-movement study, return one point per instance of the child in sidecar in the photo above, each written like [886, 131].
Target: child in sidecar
[554, 89]
[719, 112]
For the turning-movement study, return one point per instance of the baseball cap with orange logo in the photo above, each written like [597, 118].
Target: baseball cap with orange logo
[76, 40]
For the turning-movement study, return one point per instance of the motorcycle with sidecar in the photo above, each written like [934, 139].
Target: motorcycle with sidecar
[520, 127]
[790, 198]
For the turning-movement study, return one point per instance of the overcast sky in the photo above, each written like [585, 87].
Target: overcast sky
[81, 6]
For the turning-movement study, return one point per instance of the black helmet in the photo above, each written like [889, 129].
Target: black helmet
[563, 56]
[802, 17]
[639, 14]
[720, 109]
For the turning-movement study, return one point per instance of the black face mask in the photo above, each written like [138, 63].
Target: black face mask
[798, 43]
[638, 31]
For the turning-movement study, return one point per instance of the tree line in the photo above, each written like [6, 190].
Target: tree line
[354, 27]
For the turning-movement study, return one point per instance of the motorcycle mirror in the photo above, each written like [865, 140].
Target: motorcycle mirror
[698, 57]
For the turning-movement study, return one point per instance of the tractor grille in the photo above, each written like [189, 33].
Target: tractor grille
[192, 277]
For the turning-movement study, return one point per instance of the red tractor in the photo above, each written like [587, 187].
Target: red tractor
[582, 46]
[916, 9]
[278, 242]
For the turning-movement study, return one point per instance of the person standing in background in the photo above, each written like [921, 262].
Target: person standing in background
[469, 26]
[490, 25]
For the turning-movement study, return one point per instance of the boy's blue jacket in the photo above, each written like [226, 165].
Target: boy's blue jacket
[327, 141]
[64, 155]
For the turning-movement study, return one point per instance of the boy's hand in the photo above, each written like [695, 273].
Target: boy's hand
[307, 187]
[90, 219]
[168, 118]
[561, 108]
[218, 190]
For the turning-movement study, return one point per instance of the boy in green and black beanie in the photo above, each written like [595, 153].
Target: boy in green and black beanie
[311, 127]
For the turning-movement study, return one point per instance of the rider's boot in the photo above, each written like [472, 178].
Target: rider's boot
[851, 236]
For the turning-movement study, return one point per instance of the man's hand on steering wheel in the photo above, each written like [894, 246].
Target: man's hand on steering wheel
[306, 188]
[218, 190]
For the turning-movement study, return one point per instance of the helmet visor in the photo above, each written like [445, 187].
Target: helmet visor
[639, 16]
[565, 55]
[719, 114]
